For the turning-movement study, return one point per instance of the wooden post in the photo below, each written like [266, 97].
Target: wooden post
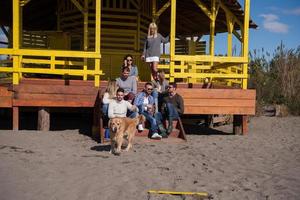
[43, 119]
[15, 118]
[240, 124]
[237, 124]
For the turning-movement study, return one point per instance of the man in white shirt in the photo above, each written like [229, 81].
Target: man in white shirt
[119, 107]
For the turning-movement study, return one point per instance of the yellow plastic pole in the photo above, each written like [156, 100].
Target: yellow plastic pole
[16, 40]
[85, 35]
[203, 194]
[97, 42]
[172, 39]
[246, 39]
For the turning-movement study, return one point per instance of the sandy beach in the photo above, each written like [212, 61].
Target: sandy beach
[67, 165]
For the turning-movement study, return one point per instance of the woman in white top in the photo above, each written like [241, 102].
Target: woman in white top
[151, 51]
[109, 95]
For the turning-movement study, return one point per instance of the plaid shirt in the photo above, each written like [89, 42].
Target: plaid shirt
[139, 100]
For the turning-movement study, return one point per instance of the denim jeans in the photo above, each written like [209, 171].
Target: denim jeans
[152, 121]
[171, 112]
[105, 109]
[154, 94]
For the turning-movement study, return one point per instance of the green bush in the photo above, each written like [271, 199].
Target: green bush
[276, 78]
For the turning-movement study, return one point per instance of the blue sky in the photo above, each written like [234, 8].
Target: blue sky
[278, 20]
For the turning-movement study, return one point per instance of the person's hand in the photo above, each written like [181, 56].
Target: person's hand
[134, 108]
[143, 57]
[125, 63]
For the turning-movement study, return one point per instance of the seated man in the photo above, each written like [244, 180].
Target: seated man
[118, 107]
[128, 83]
[145, 102]
[172, 106]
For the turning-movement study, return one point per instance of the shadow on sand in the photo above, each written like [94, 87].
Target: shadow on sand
[194, 129]
[101, 148]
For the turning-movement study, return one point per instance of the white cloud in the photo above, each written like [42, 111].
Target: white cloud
[272, 24]
[295, 11]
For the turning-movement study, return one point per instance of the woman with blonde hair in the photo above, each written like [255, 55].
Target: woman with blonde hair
[109, 94]
[151, 51]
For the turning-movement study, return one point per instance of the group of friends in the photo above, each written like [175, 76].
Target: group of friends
[158, 101]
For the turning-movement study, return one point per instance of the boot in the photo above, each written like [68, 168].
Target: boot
[162, 131]
[170, 126]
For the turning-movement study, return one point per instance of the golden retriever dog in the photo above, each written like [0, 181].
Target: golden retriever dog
[121, 127]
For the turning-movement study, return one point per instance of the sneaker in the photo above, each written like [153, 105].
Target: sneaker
[140, 127]
[156, 136]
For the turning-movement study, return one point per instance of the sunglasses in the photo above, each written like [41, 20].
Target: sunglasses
[149, 89]
[170, 87]
[129, 59]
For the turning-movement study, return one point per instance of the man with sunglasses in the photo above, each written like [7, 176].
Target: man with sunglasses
[172, 106]
[146, 105]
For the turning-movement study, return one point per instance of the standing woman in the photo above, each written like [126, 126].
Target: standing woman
[151, 52]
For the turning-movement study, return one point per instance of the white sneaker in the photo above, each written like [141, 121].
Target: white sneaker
[156, 136]
[140, 127]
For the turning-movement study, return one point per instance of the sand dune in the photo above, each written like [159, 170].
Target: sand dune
[70, 166]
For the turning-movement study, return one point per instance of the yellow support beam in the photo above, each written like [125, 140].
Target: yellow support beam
[211, 75]
[162, 9]
[154, 10]
[16, 40]
[203, 7]
[228, 11]
[245, 32]
[172, 40]
[212, 28]
[97, 41]
[230, 26]
[57, 53]
[85, 33]
[78, 6]
[237, 35]
[208, 58]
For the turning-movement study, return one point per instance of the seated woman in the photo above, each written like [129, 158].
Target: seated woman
[160, 89]
[128, 62]
[109, 94]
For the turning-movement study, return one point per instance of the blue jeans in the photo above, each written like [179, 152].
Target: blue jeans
[131, 114]
[105, 109]
[151, 119]
[171, 112]
[154, 94]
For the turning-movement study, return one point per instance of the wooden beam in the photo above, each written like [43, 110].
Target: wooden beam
[203, 7]
[78, 6]
[43, 119]
[228, 11]
[15, 118]
[163, 8]
[172, 39]
[245, 34]
[5, 32]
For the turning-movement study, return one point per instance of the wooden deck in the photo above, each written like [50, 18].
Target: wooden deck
[54, 93]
